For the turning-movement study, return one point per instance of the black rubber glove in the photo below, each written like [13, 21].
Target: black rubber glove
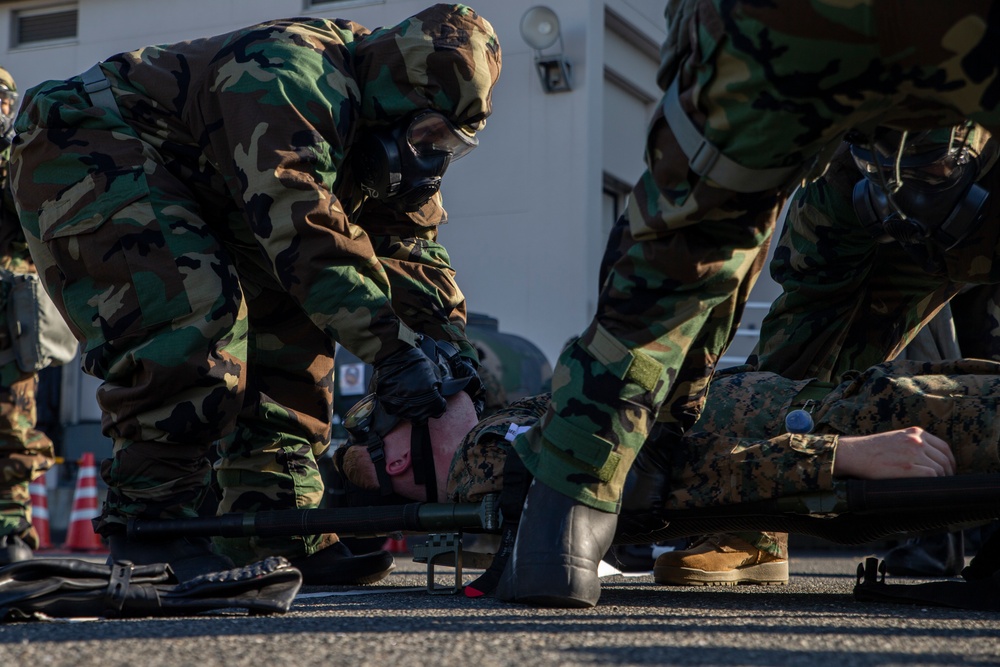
[462, 368]
[408, 384]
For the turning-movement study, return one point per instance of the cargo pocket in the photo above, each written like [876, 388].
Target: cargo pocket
[118, 271]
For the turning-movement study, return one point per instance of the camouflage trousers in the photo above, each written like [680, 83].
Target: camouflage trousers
[25, 452]
[199, 350]
[769, 93]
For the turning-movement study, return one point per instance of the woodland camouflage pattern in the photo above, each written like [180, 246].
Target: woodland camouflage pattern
[25, 452]
[773, 83]
[849, 302]
[221, 214]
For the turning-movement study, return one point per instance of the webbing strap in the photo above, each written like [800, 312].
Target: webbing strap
[813, 391]
[99, 89]
[119, 579]
[422, 455]
[578, 445]
[623, 363]
[708, 161]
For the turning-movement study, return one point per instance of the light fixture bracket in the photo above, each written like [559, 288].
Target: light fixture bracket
[554, 73]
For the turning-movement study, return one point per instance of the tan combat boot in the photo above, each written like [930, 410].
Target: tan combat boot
[720, 560]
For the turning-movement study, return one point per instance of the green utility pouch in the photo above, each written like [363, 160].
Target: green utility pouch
[39, 335]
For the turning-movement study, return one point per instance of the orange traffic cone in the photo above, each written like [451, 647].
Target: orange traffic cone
[40, 511]
[81, 536]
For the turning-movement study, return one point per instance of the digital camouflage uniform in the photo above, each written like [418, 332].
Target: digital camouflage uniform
[740, 451]
[477, 467]
[773, 86]
[210, 245]
[25, 452]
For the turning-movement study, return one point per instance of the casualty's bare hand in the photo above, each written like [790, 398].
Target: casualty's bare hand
[908, 452]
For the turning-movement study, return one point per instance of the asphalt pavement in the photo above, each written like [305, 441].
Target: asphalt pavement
[396, 623]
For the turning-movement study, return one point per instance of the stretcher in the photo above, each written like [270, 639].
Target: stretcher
[854, 512]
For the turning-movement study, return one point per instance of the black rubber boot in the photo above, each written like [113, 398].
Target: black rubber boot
[559, 545]
[337, 566]
[930, 556]
[13, 550]
[188, 557]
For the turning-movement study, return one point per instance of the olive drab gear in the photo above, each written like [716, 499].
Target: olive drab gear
[7, 81]
[825, 252]
[249, 239]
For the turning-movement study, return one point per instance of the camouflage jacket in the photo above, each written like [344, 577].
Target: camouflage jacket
[260, 122]
[849, 301]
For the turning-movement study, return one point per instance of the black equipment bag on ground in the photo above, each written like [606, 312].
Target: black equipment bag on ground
[74, 588]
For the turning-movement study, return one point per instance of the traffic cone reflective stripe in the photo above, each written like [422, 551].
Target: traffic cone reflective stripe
[81, 536]
[40, 511]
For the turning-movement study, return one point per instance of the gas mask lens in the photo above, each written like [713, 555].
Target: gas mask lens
[8, 105]
[939, 169]
[430, 133]
[358, 420]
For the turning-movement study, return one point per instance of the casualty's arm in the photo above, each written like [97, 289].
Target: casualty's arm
[908, 452]
[722, 470]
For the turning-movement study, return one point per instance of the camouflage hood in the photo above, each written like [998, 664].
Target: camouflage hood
[445, 58]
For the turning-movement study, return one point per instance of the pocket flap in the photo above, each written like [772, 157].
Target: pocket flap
[85, 206]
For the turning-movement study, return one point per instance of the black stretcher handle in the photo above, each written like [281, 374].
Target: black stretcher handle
[923, 493]
[345, 521]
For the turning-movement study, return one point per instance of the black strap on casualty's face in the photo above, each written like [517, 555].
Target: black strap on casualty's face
[367, 424]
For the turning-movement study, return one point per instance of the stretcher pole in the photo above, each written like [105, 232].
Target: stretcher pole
[345, 521]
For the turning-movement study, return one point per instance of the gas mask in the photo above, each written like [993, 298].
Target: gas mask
[919, 188]
[402, 165]
[8, 107]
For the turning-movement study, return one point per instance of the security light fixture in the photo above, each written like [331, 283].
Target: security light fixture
[540, 31]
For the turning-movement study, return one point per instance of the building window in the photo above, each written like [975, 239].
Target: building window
[39, 26]
[615, 195]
